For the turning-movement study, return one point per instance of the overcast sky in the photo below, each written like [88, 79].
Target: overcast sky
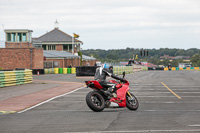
[109, 24]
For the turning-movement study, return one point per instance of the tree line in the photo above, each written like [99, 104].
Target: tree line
[117, 55]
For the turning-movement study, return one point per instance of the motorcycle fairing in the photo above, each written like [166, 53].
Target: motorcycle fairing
[93, 84]
[121, 96]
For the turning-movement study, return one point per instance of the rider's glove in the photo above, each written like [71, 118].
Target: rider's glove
[123, 80]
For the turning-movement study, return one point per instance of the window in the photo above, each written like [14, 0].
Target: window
[16, 37]
[23, 37]
[44, 47]
[67, 47]
[19, 37]
[13, 37]
[8, 37]
[51, 47]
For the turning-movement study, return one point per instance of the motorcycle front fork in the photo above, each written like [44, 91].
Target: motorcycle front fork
[129, 94]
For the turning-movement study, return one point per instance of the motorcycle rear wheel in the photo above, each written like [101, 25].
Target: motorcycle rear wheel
[95, 101]
[132, 103]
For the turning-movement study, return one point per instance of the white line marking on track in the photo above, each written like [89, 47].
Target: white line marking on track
[166, 96]
[170, 110]
[163, 90]
[197, 125]
[166, 92]
[49, 100]
[138, 131]
[157, 102]
[136, 96]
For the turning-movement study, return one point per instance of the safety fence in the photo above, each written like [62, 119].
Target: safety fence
[60, 70]
[182, 68]
[10, 78]
[144, 68]
[118, 70]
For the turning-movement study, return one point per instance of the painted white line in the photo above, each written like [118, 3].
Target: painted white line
[138, 96]
[49, 100]
[184, 86]
[142, 88]
[197, 125]
[172, 102]
[133, 93]
[156, 102]
[150, 92]
[167, 92]
[170, 110]
[148, 86]
[169, 96]
[139, 131]
[67, 101]
[145, 85]
[154, 96]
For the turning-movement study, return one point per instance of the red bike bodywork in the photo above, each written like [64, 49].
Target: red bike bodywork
[121, 91]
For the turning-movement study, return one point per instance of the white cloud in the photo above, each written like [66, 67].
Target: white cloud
[109, 23]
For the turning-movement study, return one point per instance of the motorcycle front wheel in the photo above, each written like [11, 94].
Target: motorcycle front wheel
[131, 102]
[95, 101]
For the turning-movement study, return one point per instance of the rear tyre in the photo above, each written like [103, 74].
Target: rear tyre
[95, 101]
[131, 103]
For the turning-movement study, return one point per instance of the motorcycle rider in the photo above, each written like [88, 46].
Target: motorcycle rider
[101, 74]
[169, 67]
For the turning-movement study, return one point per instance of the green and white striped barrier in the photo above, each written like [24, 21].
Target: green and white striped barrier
[118, 70]
[10, 78]
[144, 68]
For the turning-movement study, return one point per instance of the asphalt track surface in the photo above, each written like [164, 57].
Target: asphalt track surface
[169, 102]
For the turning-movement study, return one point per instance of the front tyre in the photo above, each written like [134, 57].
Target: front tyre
[131, 102]
[95, 101]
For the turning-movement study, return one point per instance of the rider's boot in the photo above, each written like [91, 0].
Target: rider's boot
[109, 92]
[112, 92]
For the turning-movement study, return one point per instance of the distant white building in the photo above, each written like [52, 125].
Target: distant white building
[182, 65]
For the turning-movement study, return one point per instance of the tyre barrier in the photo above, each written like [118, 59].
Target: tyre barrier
[10, 78]
[73, 70]
[60, 70]
[64, 70]
[156, 68]
[85, 70]
[182, 68]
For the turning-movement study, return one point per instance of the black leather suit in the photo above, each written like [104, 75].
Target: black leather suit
[102, 78]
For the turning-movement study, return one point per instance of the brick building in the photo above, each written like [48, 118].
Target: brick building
[28, 58]
[19, 52]
[23, 51]
[58, 40]
[61, 48]
[18, 38]
[65, 59]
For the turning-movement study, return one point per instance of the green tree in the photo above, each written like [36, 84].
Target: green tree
[195, 60]
[190, 52]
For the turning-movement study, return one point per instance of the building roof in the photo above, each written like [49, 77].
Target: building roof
[59, 54]
[55, 35]
[182, 57]
[167, 57]
[88, 57]
[17, 30]
[64, 54]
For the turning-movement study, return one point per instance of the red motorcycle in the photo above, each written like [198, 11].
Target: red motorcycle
[97, 99]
